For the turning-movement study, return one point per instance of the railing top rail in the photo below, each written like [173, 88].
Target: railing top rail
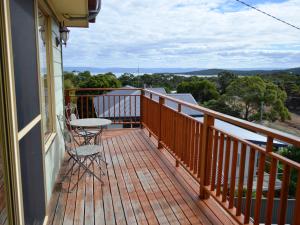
[289, 138]
[106, 95]
[103, 89]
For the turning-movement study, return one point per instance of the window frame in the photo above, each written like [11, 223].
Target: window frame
[47, 139]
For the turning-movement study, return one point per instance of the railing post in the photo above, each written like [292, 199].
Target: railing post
[178, 110]
[161, 103]
[142, 108]
[67, 97]
[206, 154]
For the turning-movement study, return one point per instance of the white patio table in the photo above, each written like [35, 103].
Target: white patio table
[91, 123]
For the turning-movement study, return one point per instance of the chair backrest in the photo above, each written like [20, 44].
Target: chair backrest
[71, 110]
[67, 134]
[68, 140]
[73, 117]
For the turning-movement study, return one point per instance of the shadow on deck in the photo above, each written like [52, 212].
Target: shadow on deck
[142, 186]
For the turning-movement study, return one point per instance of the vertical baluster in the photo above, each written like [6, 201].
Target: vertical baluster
[109, 106]
[188, 142]
[175, 137]
[214, 162]
[259, 186]
[226, 168]
[284, 194]
[124, 104]
[269, 208]
[297, 204]
[135, 116]
[197, 150]
[120, 109]
[233, 173]
[249, 186]
[206, 152]
[87, 106]
[160, 109]
[176, 132]
[184, 139]
[114, 109]
[103, 106]
[93, 106]
[241, 180]
[81, 100]
[130, 109]
[99, 111]
[220, 165]
[192, 144]
[180, 128]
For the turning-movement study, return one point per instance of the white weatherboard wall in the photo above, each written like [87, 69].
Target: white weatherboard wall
[55, 153]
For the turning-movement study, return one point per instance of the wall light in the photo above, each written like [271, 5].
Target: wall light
[64, 36]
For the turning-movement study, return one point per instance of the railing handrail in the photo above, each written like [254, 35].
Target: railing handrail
[103, 89]
[257, 128]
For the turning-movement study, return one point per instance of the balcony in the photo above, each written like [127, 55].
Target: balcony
[172, 168]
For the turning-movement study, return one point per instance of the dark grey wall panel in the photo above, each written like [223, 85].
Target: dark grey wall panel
[32, 177]
[25, 60]
[27, 96]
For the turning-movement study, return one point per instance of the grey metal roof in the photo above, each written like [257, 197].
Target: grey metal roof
[242, 133]
[118, 106]
[186, 97]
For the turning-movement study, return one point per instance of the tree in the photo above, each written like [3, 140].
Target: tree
[221, 105]
[255, 96]
[224, 80]
[202, 90]
[107, 80]
[126, 79]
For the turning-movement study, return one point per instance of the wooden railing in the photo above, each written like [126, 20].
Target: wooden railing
[229, 168]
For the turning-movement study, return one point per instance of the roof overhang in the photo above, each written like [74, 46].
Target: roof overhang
[75, 13]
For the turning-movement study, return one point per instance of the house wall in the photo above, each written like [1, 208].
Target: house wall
[55, 152]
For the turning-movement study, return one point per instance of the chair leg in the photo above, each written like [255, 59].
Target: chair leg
[86, 170]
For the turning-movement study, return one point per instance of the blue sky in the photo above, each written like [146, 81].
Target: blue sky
[188, 33]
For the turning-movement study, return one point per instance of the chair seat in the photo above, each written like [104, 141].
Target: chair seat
[86, 150]
[88, 133]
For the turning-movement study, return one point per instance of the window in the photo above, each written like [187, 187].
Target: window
[45, 81]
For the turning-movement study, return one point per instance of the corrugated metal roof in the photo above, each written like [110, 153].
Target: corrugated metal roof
[118, 106]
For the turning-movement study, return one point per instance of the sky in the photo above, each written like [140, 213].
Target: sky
[186, 34]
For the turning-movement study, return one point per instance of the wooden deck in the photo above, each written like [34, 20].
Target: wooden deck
[142, 186]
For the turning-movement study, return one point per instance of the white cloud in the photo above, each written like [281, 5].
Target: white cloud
[191, 33]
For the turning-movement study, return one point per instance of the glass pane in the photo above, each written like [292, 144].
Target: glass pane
[3, 212]
[45, 88]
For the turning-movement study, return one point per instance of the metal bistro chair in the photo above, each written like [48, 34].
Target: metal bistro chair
[84, 156]
[88, 135]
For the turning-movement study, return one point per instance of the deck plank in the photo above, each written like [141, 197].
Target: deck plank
[116, 199]
[139, 188]
[127, 205]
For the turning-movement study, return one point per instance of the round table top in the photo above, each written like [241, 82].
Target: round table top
[90, 122]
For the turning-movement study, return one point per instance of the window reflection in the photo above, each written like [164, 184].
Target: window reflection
[45, 87]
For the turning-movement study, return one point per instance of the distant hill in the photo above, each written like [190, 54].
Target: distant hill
[185, 71]
[243, 72]
[96, 70]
